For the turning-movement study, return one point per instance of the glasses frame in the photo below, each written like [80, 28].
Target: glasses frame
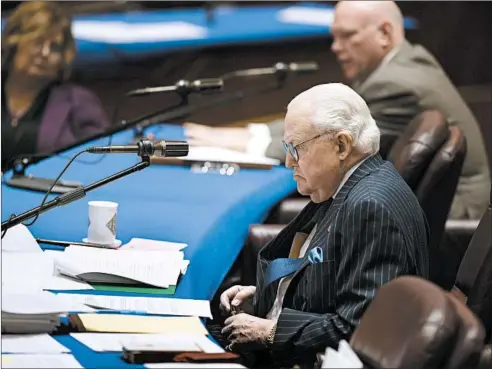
[292, 149]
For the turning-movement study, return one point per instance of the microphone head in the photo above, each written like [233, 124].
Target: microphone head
[207, 85]
[171, 149]
[301, 67]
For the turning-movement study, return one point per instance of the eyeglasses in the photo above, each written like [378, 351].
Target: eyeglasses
[292, 149]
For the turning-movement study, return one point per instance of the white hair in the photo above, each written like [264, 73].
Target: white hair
[335, 107]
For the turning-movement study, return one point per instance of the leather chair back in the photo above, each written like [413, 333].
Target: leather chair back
[473, 283]
[411, 323]
[470, 339]
[259, 235]
[414, 150]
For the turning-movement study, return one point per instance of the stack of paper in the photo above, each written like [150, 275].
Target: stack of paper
[177, 342]
[20, 239]
[37, 312]
[345, 357]
[125, 323]
[40, 361]
[34, 271]
[126, 267]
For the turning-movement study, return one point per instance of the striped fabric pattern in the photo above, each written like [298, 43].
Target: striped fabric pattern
[372, 232]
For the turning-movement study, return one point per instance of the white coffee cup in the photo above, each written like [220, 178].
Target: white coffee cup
[102, 222]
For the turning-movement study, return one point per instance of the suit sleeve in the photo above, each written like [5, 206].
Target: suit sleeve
[372, 253]
[392, 106]
[88, 115]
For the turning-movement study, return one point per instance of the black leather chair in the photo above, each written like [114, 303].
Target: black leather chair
[473, 283]
[413, 323]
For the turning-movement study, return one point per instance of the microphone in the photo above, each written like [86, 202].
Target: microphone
[183, 87]
[278, 68]
[146, 148]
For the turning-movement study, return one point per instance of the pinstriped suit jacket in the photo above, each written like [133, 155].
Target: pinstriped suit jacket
[373, 231]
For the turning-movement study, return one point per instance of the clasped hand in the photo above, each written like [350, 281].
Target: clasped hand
[245, 332]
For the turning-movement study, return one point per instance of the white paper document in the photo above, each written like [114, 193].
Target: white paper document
[32, 271]
[31, 344]
[155, 268]
[40, 361]
[149, 305]
[345, 357]
[41, 302]
[20, 239]
[114, 342]
[219, 154]
[152, 245]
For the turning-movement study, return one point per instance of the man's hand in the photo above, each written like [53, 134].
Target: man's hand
[236, 298]
[246, 332]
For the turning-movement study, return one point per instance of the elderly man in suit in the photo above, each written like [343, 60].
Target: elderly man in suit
[398, 81]
[362, 228]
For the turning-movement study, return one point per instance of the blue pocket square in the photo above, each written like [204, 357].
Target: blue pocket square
[315, 255]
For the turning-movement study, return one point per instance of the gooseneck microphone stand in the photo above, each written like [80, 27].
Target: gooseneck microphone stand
[73, 195]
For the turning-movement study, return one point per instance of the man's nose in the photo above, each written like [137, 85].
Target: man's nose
[335, 46]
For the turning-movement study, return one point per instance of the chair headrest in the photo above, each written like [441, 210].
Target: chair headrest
[411, 323]
[415, 148]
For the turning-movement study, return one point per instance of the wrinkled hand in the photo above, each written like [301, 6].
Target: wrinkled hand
[237, 298]
[246, 332]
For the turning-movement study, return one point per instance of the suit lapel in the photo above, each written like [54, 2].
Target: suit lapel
[323, 229]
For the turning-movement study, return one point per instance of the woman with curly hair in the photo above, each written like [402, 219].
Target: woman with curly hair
[41, 110]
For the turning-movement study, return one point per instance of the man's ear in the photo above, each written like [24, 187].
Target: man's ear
[344, 145]
[386, 34]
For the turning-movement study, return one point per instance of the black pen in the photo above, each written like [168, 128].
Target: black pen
[66, 244]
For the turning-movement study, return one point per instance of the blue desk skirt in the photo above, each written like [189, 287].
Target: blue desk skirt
[209, 212]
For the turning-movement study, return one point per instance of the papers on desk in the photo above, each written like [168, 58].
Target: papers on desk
[31, 344]
[40, 361]
[124, 323]
[34, 271]
[149, 305]
[20, 239]
[152, 245]
[126, 267]
[37, 312]
[345, 357]
[176, 342]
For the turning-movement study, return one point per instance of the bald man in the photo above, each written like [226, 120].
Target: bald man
[398, 81]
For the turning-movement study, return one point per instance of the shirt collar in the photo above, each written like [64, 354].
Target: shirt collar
[347, 176]
[387, 58]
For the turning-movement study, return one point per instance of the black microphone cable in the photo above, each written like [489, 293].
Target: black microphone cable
[49, 191]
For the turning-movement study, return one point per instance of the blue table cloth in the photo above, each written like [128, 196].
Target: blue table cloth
[209, 212]
[112, 37]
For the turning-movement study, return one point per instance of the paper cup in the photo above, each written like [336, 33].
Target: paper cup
[102, 222]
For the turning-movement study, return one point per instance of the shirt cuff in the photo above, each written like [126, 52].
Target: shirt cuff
[260, 139]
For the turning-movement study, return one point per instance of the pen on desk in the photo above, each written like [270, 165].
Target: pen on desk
[66, 244]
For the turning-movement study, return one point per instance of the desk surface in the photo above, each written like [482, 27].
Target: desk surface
[210, 212]
[119, 36]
